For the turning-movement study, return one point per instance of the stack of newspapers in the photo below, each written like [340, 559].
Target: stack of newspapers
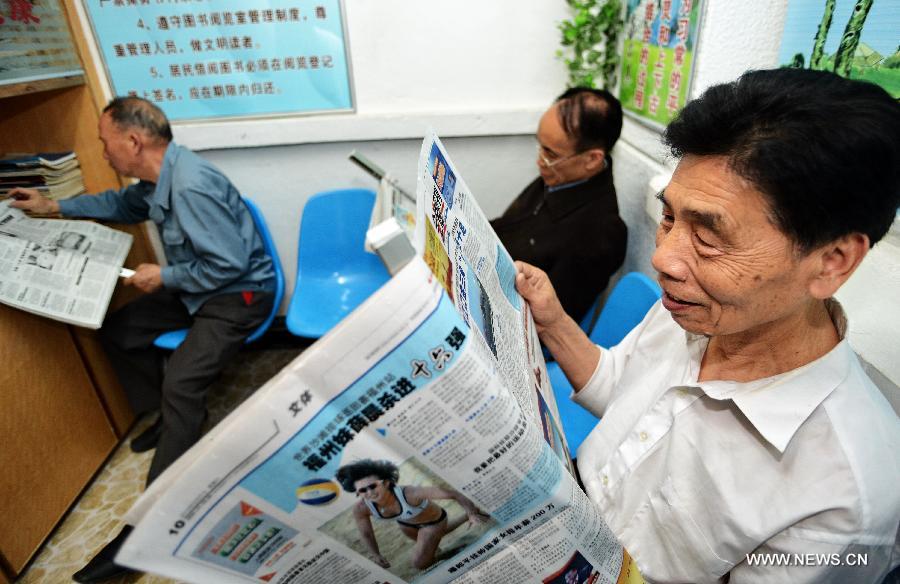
[56, 175]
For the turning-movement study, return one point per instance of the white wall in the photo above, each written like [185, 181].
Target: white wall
[480, 73]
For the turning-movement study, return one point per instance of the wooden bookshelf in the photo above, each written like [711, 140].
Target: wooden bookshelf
[53, 427]
[62, 410]
[27, 87]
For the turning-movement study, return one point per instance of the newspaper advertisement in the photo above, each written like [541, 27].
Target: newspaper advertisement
[462, 250]
[61, 269]
[455, 482]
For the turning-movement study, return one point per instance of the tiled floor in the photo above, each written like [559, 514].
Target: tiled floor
[96, 518]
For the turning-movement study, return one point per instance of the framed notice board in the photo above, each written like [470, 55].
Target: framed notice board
[206, 59]
[35, 43]
[658, 58]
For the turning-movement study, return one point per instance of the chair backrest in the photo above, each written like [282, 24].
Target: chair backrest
[333, 232]
[269, 244]
[626, 306]
[588, 319]
[172, 339]
[335, 273]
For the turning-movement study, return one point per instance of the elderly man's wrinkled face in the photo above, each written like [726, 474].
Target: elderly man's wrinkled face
[724, 266]
[558, 160]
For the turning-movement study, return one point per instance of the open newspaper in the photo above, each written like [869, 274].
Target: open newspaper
[64, 270]
[437, 376]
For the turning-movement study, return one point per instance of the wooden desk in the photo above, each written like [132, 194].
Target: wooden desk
[54, 430]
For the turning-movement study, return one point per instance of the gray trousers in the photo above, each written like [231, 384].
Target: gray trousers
[217, 332]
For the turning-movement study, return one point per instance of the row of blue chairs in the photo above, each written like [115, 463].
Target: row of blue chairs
[335, 274]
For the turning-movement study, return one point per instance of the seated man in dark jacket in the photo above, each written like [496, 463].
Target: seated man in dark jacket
[567, 221]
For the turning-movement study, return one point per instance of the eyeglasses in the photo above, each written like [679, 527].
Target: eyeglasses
[542, 156]
[363, 490]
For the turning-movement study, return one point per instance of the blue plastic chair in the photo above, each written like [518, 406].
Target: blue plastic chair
[172, 339]
[625, 308]
[334, 272]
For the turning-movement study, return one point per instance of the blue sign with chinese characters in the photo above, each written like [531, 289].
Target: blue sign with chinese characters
[201, 59]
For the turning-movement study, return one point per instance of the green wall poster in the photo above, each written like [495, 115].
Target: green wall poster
[660, 36]
[859, 39]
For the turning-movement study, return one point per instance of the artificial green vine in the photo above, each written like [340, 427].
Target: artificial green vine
[590, 42]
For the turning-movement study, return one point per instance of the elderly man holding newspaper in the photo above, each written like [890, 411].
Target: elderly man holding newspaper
[740, 439]
[218, 282]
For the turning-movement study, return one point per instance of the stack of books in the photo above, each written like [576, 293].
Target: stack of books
[56, 175]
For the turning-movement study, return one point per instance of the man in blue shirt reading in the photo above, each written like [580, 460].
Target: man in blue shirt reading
[219, 281]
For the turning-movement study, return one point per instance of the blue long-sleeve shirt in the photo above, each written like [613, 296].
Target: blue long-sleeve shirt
[208, 235]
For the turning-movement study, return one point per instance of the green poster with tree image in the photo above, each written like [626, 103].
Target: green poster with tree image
[658, 54]
[859, 39]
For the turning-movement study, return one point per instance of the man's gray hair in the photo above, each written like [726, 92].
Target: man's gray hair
[136, 112]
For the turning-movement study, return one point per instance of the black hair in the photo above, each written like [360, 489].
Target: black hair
[592, 117]
[823, 149]
[136, 112]
[348, 474]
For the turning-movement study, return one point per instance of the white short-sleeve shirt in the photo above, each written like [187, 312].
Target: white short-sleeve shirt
[694, 476]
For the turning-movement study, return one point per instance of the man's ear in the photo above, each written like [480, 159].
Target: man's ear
[136, 140]
[837, 261]
[595, 159]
